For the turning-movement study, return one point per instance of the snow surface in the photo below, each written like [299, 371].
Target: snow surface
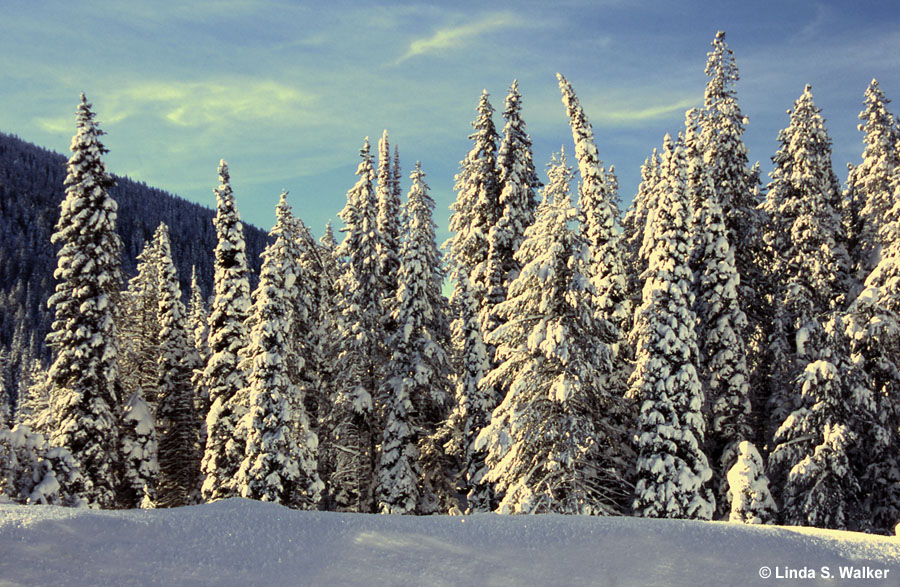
[242, 542]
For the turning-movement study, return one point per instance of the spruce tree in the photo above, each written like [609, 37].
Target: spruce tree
[388, 216]
[84, 374]
[517, 181]
[177, 422]
[869, 188]
[634, 226]
[361, 347]
[804, 236]
[279, 463]
[477, 206]
[227, 336]
[411, 476]
[751, 500]
[547, 447]
[672, 470]
[140, 467]
[198, 331]
[721, 323]
[817, 448]
[873, 328]
[599, 215]
[473, 404]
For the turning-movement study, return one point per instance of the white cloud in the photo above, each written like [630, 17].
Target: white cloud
[453, 37]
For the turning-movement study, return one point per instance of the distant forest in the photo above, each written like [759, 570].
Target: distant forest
[31, 190]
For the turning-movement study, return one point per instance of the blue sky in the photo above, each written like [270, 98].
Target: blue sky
[286, 90]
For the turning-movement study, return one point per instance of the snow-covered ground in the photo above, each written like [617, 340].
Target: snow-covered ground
[239, 542]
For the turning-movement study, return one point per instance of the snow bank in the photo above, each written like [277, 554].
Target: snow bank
[240, 542]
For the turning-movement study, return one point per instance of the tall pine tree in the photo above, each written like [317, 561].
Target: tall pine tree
[227, 336]
[84, 374]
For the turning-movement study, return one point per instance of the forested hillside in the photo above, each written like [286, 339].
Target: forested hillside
[31, 189]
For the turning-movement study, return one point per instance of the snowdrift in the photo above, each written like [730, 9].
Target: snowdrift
[240, 542]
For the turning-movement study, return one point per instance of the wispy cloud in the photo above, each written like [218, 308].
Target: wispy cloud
[618, 115]
[453, 37]
[199, 104]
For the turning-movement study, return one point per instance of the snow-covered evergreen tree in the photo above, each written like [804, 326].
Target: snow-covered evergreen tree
[548, 447]
[198, 332]
[33, 472]
[279, 463]
[634, 226]
[721, 323]
[870, 191]
[477, 206]
[672, 470]
[227, 336]
[873, 328]
[517, 181]
[751, 500]
[5, 392]
[84, 373]
[362, 351]
[177, 422]
[810, 267]
[33, 408]
[138, 328]
[474, 401]
[140, 467]
[410, 473]
[388, 221]
[817, 448]
[598, 205]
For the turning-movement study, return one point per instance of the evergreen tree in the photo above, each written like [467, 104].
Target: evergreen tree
[474, 402]
[751, 501]
[736, 186]
[138, 328]
[179, 459]
[33, 408]
[140, 467]
[198, 332]
[84, 373]
[547, 449]
[810, 266]
[227, 336]
[634, 226]
[869, 188]
[388, 221]
[477, 206]
[721, 322]
[672, 469]
[599, 214]
[410, 469]
[517, 181]
[280, 459]
[818, 455]
[362, 353]
[873, 330]
[5, 395]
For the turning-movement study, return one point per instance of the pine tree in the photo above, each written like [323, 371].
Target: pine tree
[672, 469]
[805, 238]
[198, 332]
[410, 470]
[33, 408]
[721, 322]
[547, 450]
[634, 226]
[477, 206]
[279, 463]
[517, 181]
[362, 352]
[751, 500]
[599, 215]
[816, 460]
[140, 467]
[5, 395]
[873, 329]
[84, 373]
[388, 217]
[179, 459]
[138, 328]
[227, 336]
[869, 188]
[736, 186]
[473, 404]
